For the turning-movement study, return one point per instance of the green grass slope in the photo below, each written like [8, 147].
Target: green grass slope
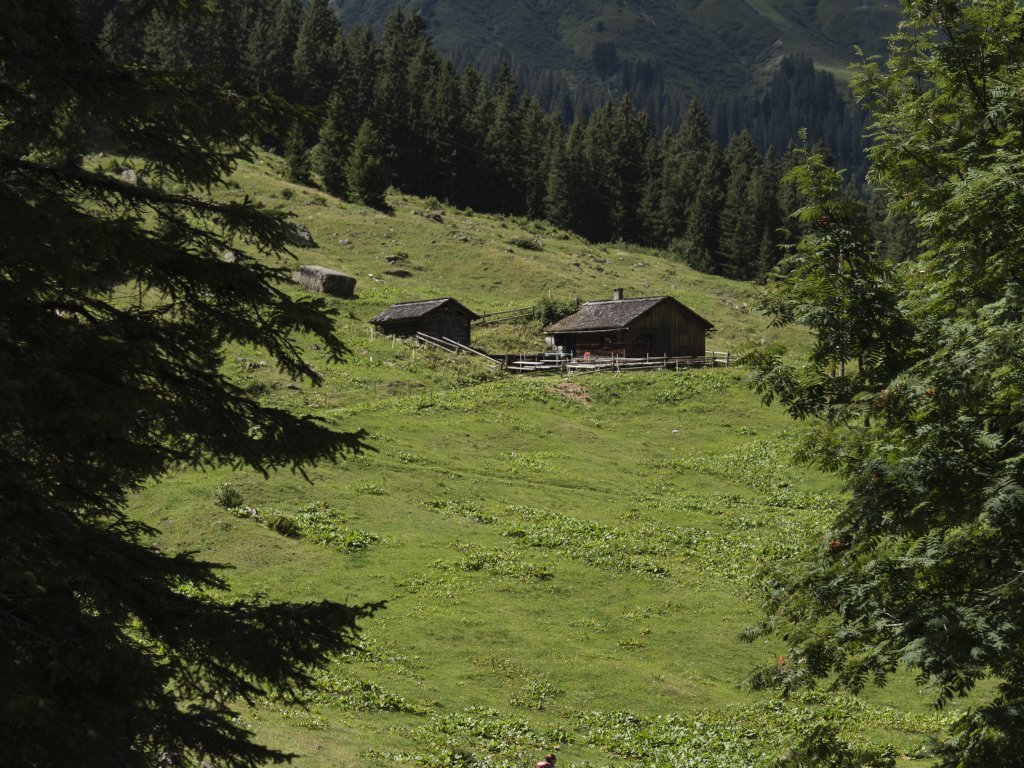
[566, 563]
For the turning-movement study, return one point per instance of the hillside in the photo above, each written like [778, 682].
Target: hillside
[713, 48]
[566, 564]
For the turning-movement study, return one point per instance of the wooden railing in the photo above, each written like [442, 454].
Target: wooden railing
[450, 345]
[505, 316]
[547, 364]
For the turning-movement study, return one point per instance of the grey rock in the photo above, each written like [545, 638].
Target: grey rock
[324, 280]
[299, 235]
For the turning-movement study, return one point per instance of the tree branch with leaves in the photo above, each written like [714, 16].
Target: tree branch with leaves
[115, 308]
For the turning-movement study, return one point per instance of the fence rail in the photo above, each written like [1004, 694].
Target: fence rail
[450, 345]
[505, 316]
[548, 364]
[557, 363]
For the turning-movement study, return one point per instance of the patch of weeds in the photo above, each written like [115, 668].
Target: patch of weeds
[317, 523]
[327, 690]
[449, 587]
[631, 644]
[496, 562]
[381, 655]
[526, 243]
[646, 612]
[591, 624]
[352, 693]
[468, 510]
[369, 489]
[516, 462]
[227, 496]
[644, 550]
[482, 730]
[283, 525]
[535, 694]
[258, 388]
[405, 458]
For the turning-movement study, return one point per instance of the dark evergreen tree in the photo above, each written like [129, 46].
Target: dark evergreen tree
[315, 63]
[332, 150]
[558, 194]
[365, 169]
[394, 104]
[699, 245]
[172, 43]
[504, 155]
[445, 133]
[741, 233]
[625, 170]
[476, 117]
[269, 54]
[106, 659]
[685, 156]
[769, 213]
[120, 36]
[296, 155]
[538, 133]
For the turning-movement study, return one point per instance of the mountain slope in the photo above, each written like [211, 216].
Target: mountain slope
[720, 47]
[567, 563]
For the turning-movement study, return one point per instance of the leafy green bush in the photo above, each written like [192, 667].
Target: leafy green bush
[285, 526]
[550, 310]
[227, 496]
[526, 243]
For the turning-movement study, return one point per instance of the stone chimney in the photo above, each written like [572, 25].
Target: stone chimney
[616, 294]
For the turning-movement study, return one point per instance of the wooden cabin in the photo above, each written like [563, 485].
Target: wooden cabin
[440, 318]
[656, 326]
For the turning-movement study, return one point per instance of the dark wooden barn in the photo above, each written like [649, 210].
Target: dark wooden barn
[655, 326]
[440, 318]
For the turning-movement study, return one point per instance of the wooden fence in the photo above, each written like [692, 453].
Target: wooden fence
[567, 365]
[563, 364]
[506, 316]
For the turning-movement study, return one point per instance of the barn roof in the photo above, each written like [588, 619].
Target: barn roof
[411, 310]
[614, 314]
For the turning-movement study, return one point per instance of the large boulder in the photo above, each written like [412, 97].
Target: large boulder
[299, 235]
[324, 280]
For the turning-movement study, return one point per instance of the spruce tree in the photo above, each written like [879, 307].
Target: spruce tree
[740, 233]
[365, 169]
[560, 188]
[699, 245]
[315, 62]
[269, 52]
[503, 149]
[685, 156]
[332, 150]
[115, 306]
[296, 155]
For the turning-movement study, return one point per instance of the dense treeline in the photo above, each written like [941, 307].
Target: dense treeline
[392, 110]
[799, 96]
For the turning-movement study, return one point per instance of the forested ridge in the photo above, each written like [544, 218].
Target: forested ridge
[430, 129]
[574, 55]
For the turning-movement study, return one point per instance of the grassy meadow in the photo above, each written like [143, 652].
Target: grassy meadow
[566, 563]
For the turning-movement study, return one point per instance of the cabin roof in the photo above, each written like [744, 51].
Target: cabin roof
[614, 314]
[411, 310]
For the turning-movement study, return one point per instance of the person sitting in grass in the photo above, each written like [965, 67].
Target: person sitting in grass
[547, 762]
